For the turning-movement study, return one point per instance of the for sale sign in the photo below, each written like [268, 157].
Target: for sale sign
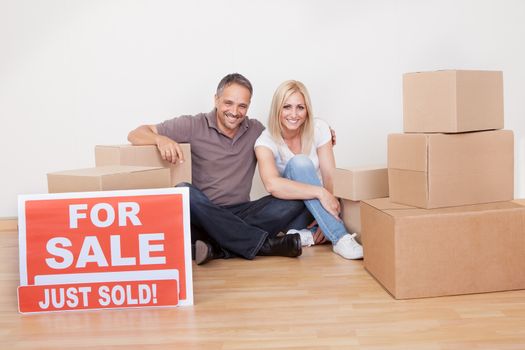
[99, 250]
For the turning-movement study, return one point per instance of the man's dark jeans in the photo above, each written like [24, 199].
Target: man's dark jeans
[241, 229]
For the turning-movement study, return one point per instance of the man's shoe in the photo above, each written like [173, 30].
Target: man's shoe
[288, 245]
[203, 252]
[348, 247]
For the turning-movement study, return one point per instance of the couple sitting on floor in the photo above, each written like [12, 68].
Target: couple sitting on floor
[296, 163]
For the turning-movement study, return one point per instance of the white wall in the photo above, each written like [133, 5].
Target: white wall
[74, 73]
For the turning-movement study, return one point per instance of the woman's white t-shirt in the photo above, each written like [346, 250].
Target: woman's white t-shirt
[282, 154]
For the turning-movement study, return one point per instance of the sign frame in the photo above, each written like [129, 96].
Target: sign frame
[121, 276]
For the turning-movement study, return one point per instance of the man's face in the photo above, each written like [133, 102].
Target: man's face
[232, 105]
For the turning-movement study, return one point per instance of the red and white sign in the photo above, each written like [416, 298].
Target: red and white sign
[99, 250]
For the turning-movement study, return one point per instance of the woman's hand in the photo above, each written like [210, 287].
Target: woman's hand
[330, 203]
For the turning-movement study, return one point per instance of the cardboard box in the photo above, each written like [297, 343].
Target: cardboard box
[417, 253]
[358, 183]
[452, 101]
[351, 215]
[111, 177]
[145, 156]
[442, 170]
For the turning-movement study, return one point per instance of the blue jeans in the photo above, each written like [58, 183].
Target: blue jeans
[241, 229]
[301, 169]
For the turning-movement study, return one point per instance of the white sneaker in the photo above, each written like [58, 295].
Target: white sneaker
[348, 247]
[307, 239]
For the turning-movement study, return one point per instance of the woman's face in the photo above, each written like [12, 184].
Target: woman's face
[293, 113]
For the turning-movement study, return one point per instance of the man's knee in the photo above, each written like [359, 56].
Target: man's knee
[196, 195]
[193, 189]
[183, 184]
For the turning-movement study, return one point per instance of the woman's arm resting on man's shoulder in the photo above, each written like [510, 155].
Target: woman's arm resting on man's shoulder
[326, 157]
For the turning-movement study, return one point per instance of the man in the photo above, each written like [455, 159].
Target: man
[224, 221]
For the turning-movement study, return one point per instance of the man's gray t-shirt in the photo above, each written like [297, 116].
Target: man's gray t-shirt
[222, 168]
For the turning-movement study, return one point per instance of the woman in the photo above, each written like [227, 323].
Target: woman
[296, 161]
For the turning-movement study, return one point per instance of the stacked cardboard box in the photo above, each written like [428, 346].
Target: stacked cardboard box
[354, 184]
[123, 167]
[417, 253]
[110, 177]
[443, 159]
[450, 225]
[442, 170]
[147, 155]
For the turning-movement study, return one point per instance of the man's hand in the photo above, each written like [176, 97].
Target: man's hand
[169, 150]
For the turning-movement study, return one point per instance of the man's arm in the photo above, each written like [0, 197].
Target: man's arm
[148, 135]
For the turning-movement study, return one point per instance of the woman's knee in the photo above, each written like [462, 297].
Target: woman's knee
[301, 161]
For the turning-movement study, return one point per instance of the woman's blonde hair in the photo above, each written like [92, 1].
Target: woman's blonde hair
[275, 128]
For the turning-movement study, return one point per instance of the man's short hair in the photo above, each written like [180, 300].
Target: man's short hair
[234, 78]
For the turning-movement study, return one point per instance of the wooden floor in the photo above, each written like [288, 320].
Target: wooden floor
[318, 301]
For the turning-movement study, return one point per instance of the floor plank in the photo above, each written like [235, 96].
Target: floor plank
[8, 224]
